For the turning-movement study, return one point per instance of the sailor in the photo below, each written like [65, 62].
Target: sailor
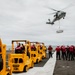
[71, 54]
[64, 56]
[67, 51]
[50, 51]
[33, 47]
[18, 48]
[22, 48]
[58, 52]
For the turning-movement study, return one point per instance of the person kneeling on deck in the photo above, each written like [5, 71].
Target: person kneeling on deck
[50, 51]
[18, 48]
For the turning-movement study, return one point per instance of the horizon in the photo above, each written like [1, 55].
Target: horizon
[26, 19]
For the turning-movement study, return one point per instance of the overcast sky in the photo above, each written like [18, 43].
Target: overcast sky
[26, 19]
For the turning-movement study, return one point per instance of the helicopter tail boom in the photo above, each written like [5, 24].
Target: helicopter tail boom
[49, 22]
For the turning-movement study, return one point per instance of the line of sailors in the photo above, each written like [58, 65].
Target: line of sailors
[33, 47]
[66, 53]
[21, 48]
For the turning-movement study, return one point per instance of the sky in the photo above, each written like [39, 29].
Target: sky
[26, 20]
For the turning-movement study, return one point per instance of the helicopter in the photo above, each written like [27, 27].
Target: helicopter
[57, 16]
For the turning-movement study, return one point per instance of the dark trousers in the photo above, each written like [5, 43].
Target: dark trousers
[71, 56]
[50, 54]
[61, 54]
[18, 51]
[64, 56]
[67, 54]
[58, 55]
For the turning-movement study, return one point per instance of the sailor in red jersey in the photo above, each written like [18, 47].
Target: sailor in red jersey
[58, 52]
[64, 56]
[50, 51]
[67, 51]
[71, 54]
[33, 47]
[18, 48]
[74, 51]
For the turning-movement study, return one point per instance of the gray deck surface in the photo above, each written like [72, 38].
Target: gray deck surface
[64, 67]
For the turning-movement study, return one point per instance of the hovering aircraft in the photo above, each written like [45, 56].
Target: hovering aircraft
[57, 16]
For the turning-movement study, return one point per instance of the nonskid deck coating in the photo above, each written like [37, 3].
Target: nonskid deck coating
[64, 67]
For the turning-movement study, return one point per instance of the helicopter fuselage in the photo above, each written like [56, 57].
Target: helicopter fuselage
[59, 15]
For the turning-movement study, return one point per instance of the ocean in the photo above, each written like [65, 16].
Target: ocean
[9, 47]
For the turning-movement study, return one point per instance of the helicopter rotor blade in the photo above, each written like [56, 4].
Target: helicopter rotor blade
[51, 13]
[52, 9]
